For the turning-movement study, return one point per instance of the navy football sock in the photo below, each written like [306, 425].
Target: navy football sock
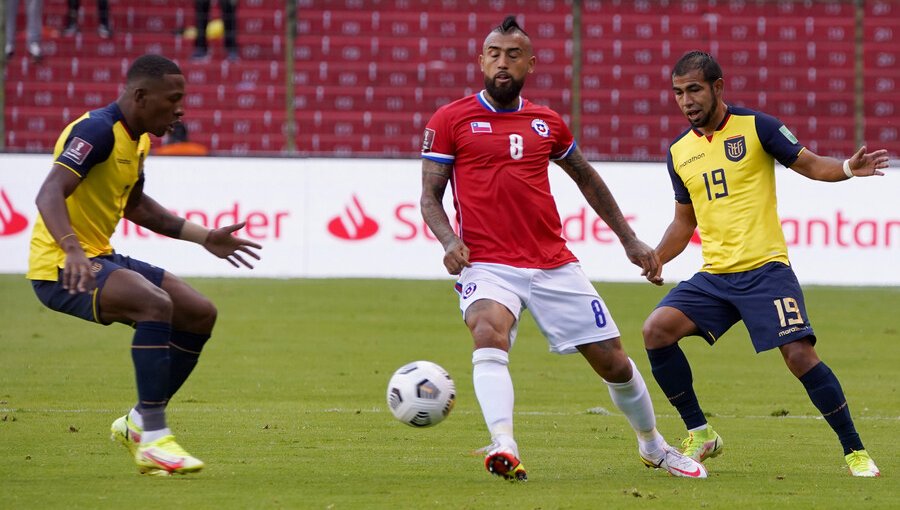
[827, 395]
[673, 374]
[184, 351]
[150, 353]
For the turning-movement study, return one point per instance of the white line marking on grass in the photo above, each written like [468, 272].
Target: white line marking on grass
[219, 410]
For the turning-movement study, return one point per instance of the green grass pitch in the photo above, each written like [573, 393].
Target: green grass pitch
[287, 408]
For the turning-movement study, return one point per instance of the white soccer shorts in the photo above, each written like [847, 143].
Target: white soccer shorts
[564, 304]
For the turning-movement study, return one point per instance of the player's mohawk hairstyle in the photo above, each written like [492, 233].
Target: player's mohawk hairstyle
[509, 26]
[696, 59]
[151, 66]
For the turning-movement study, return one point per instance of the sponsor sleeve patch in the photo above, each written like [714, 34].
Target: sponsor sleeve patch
[77, 150]
[787, 134]
[427, 140]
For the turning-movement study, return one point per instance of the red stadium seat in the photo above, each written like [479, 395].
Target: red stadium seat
[367, 79]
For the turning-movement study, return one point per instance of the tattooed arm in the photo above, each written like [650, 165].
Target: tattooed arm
[602, 202]
[435, 177]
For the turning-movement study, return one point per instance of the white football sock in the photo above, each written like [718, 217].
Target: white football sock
[633, 399]
[136, 418]
[494, 389]
[152, 435]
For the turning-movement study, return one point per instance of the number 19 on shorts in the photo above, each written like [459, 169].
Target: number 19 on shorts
[788, 311]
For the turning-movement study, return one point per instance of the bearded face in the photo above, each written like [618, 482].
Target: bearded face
[503, 88]
[705, 116]
[505, 60]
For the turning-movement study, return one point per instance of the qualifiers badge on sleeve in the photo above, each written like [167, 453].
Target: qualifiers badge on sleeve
[78, 150]
[427, 139]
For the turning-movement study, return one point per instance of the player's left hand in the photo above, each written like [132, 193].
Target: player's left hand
[864, 164]
[646, 258]
[221, 243]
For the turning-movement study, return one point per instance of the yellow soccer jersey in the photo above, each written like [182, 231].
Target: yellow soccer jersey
[730, 180]
[109, 160]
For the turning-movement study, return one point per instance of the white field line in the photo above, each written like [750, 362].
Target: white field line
[216, 410]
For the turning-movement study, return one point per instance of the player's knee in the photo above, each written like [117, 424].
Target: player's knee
[203, 315]
[485, 334]
[656, 334]
[619, 371]
[608, 359]
[800, 356]
[156, 305]
[209, 314]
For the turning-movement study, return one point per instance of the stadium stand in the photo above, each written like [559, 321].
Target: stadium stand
[232, 107]
[369, 73]
[882, 86]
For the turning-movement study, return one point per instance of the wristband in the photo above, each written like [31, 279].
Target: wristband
[193, 232]
[847, 171]
[63, 238]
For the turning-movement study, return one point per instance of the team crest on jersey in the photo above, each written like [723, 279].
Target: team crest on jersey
[78, 150]
[540, 127]
[482, 127]
[469, 290]
[735, 148]
[427, 139]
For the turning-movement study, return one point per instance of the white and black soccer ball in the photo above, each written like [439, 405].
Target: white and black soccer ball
[421, 394]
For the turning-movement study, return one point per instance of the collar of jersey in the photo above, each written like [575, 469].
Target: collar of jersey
[721, 125]
[118, 116]
[487, 104]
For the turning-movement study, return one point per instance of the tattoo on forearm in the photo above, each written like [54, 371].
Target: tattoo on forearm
[596, 192]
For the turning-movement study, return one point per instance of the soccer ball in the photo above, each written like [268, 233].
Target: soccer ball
[421, 394]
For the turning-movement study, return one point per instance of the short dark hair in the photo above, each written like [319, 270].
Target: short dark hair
[151, 66]
[509, 26]
[696, 59]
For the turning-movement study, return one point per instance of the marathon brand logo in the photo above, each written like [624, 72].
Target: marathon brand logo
[77, 150]
[692, 159]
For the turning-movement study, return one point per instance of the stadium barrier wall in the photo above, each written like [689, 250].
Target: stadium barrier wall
[360, 218]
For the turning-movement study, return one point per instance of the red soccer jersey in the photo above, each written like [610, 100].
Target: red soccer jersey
[501, 188]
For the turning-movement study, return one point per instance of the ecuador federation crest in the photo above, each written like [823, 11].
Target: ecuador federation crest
[735, 148]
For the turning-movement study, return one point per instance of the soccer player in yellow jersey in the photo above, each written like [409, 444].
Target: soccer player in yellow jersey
[97, 178]
[723, 174]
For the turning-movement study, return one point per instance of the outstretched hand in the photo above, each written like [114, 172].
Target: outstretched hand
[646, 258]
[864, 164]
[221, 243]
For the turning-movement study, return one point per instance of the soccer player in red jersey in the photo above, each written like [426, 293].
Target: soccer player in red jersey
[494, 148]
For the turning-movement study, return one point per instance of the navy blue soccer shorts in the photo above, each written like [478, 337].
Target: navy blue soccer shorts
[768, 299]
[86, 305]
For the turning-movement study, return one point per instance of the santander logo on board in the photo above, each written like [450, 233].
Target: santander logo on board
[695, 237]
[353, 224]
[11, 221]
